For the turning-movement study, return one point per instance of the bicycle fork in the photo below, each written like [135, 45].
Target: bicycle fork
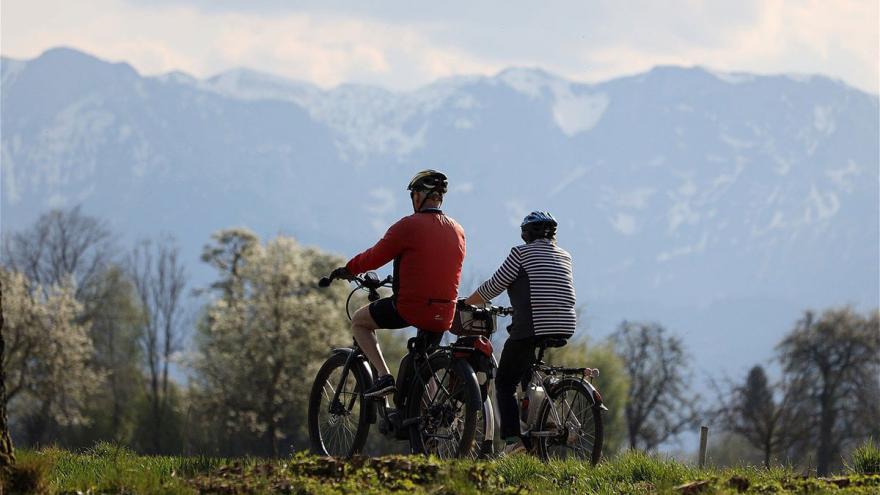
[336, 407]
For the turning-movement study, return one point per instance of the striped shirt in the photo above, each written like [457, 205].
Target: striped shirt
[538, 279]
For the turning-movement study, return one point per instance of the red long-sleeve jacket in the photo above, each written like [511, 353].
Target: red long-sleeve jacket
[428, 249]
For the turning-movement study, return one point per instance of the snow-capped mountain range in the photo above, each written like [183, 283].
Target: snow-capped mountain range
[718, 204]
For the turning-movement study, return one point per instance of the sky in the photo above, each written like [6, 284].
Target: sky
[403, 45]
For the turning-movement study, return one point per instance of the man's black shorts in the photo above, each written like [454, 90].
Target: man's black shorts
[385, 314]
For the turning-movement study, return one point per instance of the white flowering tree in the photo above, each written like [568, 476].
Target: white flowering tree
[261, 341]
[47, 355]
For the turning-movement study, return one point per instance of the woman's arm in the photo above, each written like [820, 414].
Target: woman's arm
[474, 299]
[499, 282]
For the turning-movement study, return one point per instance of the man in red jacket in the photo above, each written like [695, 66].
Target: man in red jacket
[428, 249]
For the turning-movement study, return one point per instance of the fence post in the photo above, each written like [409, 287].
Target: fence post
[704, 437]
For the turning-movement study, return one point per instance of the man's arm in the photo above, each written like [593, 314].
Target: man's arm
[388, 248]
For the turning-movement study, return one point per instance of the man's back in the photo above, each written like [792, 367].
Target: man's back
[429, 270]
[428, 249]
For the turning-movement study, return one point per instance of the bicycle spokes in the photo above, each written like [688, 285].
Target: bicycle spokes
[442, 414]
[339, 414]
[571, 416]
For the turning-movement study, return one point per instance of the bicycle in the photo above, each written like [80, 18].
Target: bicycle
[567, 419]
[436, 403]
[573, 401]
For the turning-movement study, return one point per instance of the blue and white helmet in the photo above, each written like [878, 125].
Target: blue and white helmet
[538, 225]
[538, 217]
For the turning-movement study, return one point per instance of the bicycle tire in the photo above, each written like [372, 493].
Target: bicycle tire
[320, 396]
[590, 412]
[460, 381]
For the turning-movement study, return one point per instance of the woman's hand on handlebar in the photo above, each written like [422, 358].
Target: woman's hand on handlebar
[462, 305]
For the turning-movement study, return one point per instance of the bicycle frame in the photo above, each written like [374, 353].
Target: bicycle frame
[356, 360]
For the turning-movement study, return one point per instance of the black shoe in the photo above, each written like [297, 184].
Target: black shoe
[381, 387]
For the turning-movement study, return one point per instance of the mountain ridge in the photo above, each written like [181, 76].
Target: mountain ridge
[731, 77]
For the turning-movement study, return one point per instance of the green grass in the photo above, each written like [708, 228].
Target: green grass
[107, 468]
[866, 459]
[110, 469]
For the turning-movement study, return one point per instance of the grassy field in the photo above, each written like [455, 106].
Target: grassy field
[109, 469]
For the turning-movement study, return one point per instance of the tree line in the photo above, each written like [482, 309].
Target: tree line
[101, 343]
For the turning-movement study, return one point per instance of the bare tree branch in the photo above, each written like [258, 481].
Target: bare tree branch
[658, 406]
[159, 280]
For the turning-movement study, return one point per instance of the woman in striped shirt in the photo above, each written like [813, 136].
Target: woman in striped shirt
[537, 276]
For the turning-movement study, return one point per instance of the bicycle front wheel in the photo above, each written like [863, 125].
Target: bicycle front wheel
[569, 423]
[338, 427]
[443, 407]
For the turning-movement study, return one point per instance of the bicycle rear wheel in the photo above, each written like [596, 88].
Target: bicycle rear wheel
[443, 406]
[339, 428]
[569, 423]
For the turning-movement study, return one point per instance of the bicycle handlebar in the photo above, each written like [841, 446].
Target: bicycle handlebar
[361, 281]
[375, 284]
[370, 282]
[490, 310]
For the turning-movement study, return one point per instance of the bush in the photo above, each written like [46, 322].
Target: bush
[866, 459]
[26, 476]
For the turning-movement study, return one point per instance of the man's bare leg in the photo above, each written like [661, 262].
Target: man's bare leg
[364, 330]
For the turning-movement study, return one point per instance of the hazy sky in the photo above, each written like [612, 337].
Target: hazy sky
[405, 44]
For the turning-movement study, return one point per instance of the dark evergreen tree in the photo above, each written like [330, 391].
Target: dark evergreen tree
[754, 412]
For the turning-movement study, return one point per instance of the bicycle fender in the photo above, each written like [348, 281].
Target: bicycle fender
[365, 373]
[489, 419]
[594, 394]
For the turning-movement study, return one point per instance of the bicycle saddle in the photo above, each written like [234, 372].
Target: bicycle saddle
[545, 342]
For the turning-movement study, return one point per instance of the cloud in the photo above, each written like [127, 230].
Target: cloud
[402, 45]
[322, 50]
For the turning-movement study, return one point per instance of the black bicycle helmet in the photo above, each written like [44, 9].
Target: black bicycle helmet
[428, 180]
